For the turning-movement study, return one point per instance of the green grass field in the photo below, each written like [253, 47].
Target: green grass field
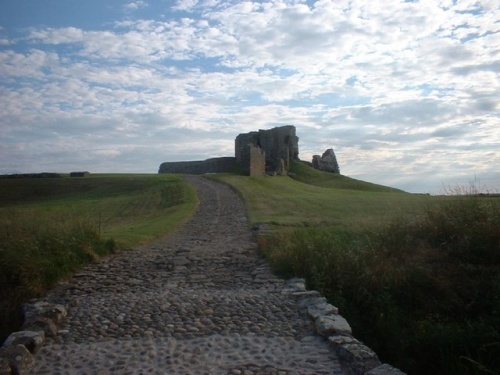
[313, 198]
[131, 209]
[51, 227]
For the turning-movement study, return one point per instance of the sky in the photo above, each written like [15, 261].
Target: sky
[407, 93]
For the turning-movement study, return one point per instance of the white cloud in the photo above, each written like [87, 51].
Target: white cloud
[57, 36]
[185, 5]
[134, 5]
[29, 65]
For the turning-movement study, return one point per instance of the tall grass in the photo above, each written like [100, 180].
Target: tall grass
[36, 251]
[424, 292]
[49, 228]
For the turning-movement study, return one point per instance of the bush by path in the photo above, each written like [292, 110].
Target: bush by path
[423, 292]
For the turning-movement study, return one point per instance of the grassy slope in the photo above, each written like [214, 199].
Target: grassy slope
[131, 209]
[304, 173]
[324, 200]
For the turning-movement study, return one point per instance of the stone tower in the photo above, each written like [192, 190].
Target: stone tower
[279, 146]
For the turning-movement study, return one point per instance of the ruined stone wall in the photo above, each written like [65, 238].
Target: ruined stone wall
[215, 165]
[250, 157]
[241, 143]
[257, 162]
[255, 154]
[280, 145]
[326, 162]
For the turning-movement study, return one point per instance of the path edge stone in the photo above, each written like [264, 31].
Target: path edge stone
[41, 319]
[357, 358]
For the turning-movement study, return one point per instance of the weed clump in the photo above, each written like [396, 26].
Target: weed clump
[424, 293]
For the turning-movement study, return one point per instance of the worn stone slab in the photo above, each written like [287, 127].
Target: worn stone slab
[57, 313]
[295, 285]
[41, 324]
[32, 340]
[332, 324]
[322, 308]
[359, 357]
[312, 301]
[337, 340]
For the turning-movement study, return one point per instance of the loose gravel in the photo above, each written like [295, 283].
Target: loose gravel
[201, 301]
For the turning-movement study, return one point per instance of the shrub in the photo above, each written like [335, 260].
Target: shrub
[423, 293]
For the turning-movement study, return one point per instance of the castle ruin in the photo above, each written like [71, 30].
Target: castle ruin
[256, 153]
[278, 147]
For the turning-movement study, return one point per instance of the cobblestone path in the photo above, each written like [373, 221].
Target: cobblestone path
[201, 301]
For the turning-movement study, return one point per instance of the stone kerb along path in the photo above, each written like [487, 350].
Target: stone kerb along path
[201, 301]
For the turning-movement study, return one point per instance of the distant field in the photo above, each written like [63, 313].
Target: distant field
[314, 198]
[128, 208]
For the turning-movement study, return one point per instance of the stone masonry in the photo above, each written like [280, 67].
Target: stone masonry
[326, 162]
[256, 153]
[280, 146]
[214, 165]
[253, 161]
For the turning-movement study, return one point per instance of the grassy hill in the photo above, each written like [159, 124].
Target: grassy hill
[314, 198]
[303, 172]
